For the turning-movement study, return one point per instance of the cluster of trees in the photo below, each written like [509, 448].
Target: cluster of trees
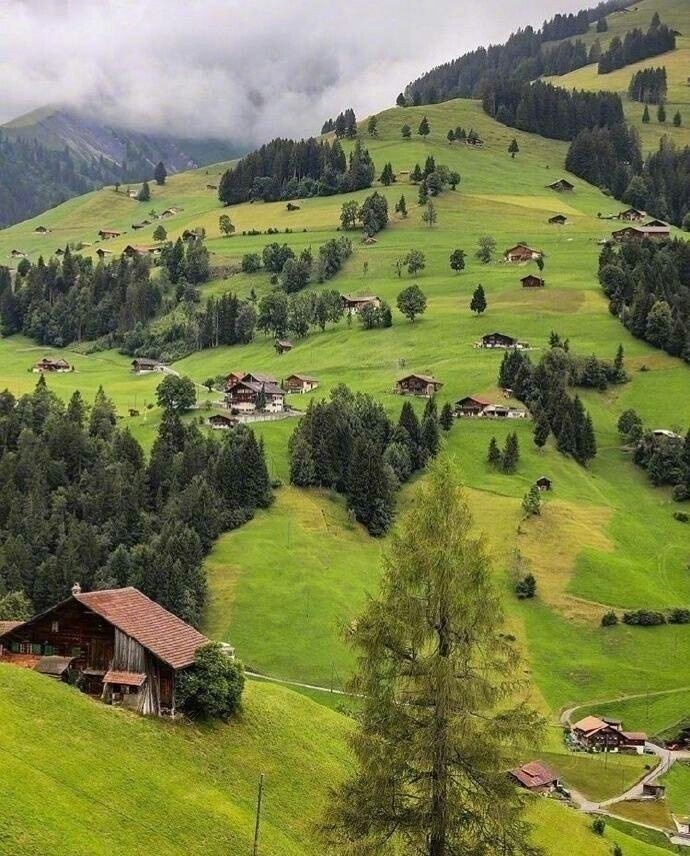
[344, 125]
[525, 56]
[460, 135]
[666, 459]
[372, 214]
[507, 460]
[350, 445]
[648, 85]
[280, 313]
[543, 388]
[637, 45]
[433, 180]
[606, 157]
[80, 501]
[647, 284]
[287, 169]
[647, 617]
[187, 262]
[376, 317]
[548, 110]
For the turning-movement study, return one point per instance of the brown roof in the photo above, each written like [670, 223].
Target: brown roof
[130, 679]
[305, 377]
[422, 377]
[54, 665]
[534, 774]
[590, 724]
[635, 735]
[6, 626]
[165, 635]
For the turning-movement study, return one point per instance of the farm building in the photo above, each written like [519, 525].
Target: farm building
[632, 215]
[682, 824]
[233, 377]
[558, 220]
[49, 364]
[561, 186]
[41, 230]
[170, 212]
[257, 377]
[502, 411]
[543, 483]
[536, 777]
[653, 790]
[101, 253]
[417, 384]
[607, 735]
[355, 304]
[59, 252]
[639, 233]
[221, 420]
[190, 234]
[665, 432]
[244, 395]
[521, 253]
[118, 644]
[532, 281]
[142, 365]
[659, 224]
[282, 345]
[17, 254]
[470, 406]
[500, 340]
[300, 383]
[107, 234]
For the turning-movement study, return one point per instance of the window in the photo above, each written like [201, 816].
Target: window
[55, 627]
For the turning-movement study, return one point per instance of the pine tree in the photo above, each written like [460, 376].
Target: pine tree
[408, 420]
[677, 119]
[144, 194]
[446, 418]
[424, 128]
[401, 207]
[400, 100]
[661, 113]
[531, 502]
[431, 748]
[511, 454]
[371, 126]
[416, 174]
[645, 114]
[423, 196]
[493, 456]
[370, 488]
[513, 148]
[478, 303]
[160, 173]
[457, 260]
[406, 132]
[450, 136]
[541, 431]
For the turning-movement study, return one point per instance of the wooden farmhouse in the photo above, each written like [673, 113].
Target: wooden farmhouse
[17, 254]
[607, 735]
[101, 253]
[521, 253]
[659, 224]
[137, 250]
[233, 377]
[558, 220]
[561, 186]
[632, 215]
[356, 304]
[532, 281]
[222, 421]
[300, 383]
[282, 346]
[107, 234]
[417, 384]
[143, 365]
[190, 234]
[117, 644]
[49, 364]
[170, 212]
[500, 340]
[243, 395]
[470, 406]
[536, 777]
[639, 233]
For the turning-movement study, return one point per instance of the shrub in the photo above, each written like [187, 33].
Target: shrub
[644, 618]
[212, 687]
[598, 825]
[679, 615]
[251, 262]
[526, 587]
[609, 619]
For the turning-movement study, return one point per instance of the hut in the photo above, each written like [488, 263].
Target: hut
[108, 234]
[143, 365]
[532, 281]
[500, 340]
[558, 220]
[521, 253]
[356, 304]
[222, 421]
[282, 345]
[561, 186]
[299, 383]
[417, 384]
[543, 483]
[41, 230]
[536, 777]
[101, 253]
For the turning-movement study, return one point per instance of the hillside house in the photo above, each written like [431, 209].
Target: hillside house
[299, 383]
[356, 304]
[631, 215]
[108, 234]
[192, 234]
[521, 253]
[470, 406]
[503, 411]
[17, 254]
[143, 365]
[532, 281]
[417, 384]
[170, 212]
[500, 340]
[59, 252]
[639, 233]
[659, 224]
[243, 396]
[41, 230]
[536, 777]
[282, 346]
[543, 483]
[101, 253]
[558, 220]
[561, 186]
[116, 644]
[233, 377]
[138, 250]
[222, 421]
[50, 364]
[607, 735]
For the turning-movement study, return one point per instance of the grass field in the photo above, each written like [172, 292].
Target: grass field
[598, 778]
[658, 713]
[677, 782]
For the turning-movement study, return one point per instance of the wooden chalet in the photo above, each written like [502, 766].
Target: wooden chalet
[191, 234]
[107, 234]
[607, 735]
[561, 186]
[243, 395]
[142, 365]
[417, 384]
[17, 254]
[536, 777]
[138, 250]
[222, 421]
[282, 345]
[101, 253]
[470, 405]
[233, 377]
[558, 220]
[532, 281]
[500, 340]
[59, 252]
[631, 215]
[50, 364]
[639, 233]
[170, 212]
[356, 304]
[659, 224]
[521, 253]
[300, 383]
[543, 483]
[503, 411]
[116, 644]
[41, 230]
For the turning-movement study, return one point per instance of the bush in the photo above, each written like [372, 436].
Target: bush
[644, 618]
[212, 687]
[681, 516]
[609, 619]
[679, 615]
[251, 262]
[598, 825]
[526, 587]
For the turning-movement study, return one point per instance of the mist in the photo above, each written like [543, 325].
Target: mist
[236, 70]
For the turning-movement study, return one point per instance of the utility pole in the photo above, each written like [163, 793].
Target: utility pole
[255, 849]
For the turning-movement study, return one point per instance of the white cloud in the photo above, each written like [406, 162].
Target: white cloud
[236, 69]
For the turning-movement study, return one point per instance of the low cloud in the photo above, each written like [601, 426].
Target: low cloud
[236, 70]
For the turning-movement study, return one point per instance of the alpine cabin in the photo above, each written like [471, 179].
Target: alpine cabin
[532, 281]
[521, 253]
[417, 384]
[300, 383]
[356, 304]
[561, 186]
[558, 220]
[49, 364]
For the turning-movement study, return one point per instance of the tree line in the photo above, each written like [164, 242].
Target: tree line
[344, 125]
[665, 457]
[648, 287]
[289, 169]
[80, 501]
[349, 444]
[637, 45]
[649, 85]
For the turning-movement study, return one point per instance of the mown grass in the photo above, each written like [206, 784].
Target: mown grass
[649, 812]
[661, 714]
[677, 782]
[598, 778]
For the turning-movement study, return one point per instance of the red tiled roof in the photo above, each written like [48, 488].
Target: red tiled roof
[589, 724]
[163, 634]
[534, 774]
[130, 679]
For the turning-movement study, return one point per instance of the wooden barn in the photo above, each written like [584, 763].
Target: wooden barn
[543, 483]
[116, 644]
[300, 383]
[532, 281]
[536, 777]
[521, 253]
[558, 220]
[639, 233]
[356, 304]
[500, 340]
[282, 346]
[41, 230]
[222, 421]
[50, 364]
[417, 384]
[561, 186]
[632, 215]
[143, 365]
[107, 234]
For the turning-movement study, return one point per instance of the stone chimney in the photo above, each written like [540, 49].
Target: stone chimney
[76, 589]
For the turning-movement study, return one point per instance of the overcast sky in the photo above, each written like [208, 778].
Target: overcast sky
[242, 69]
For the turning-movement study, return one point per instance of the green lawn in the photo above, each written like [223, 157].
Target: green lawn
[598, 777]
[677, 782]
[654, 714]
